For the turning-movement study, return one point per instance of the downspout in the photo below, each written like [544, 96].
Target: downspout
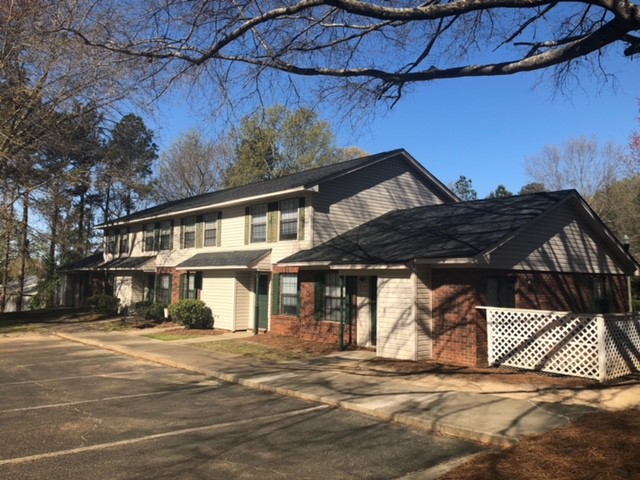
[625, 244]
[342, 313]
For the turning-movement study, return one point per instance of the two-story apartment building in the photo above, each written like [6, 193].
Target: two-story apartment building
[374, 252]
[221, 246]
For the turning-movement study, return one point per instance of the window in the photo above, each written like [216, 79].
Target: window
[332, 295]
[501, 292]
[165, 236]
[289, 294]
[210, 230]
[189, 232]
[111, 242]
[259, 223]
[124, 240]
[163, 292]
[289, 219]
[149, 237]
[190, 283]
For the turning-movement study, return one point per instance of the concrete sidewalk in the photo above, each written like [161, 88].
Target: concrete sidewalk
[486, 418]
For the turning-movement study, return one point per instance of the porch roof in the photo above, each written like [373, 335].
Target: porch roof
[126, 263]
[87, 263]
[239, 259]
[433, 234]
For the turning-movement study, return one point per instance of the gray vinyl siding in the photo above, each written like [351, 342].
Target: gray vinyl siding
[353, 199]
[396, 316]
[559, 241]
[424, 320]
[243, 299]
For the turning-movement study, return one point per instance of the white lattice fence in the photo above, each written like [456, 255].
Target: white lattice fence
[582, 345]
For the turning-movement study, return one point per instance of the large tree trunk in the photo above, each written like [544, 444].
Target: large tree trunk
[24, 250]
[51, 260]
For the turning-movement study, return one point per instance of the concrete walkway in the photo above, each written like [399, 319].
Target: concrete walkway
[435, 406]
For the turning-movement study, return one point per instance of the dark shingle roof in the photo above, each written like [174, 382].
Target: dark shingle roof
[86, 263]
[242, 258]
[306, 178]
[455, 230]
[126, 263]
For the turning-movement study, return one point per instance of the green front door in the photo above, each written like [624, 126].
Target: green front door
[262, 301]
[373, 303]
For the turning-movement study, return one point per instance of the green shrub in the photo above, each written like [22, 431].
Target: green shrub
[104, 304]
[191, 314]
[156, 312]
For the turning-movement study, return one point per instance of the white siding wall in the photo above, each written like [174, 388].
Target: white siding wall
[353, 199]
[219, 293]
[243, 300]
[396, 316]
[424, 320]
[563, 243]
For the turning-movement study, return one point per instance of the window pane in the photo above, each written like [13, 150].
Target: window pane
[289, 294]
[189, 232]
[259, 223]
[210, 230]
[149, 232]
[289, 219]
[165, 235]
[332, 297]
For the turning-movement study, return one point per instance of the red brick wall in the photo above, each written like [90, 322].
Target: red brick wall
[306, 326]
[459, 329]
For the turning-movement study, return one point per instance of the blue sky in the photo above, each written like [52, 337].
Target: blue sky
[482, 128]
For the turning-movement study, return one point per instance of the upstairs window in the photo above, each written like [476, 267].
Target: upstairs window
[165, 242]
[210, 230]
[149, 237]
[259, 223]
[189, 232]
[124, 240]
[111, 242]
[289, 219]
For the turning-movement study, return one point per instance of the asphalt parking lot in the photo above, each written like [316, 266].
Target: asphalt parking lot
[72, 411]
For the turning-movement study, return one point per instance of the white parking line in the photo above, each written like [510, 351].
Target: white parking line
[105, 399]
[146, 438]
[75, 377]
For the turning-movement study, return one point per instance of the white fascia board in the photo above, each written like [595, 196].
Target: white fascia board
[228, 203]
[448, 261]
[369, 267]
[225, 267]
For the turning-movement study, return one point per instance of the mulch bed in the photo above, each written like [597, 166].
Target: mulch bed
[601, 445]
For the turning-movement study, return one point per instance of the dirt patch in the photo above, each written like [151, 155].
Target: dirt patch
[599, 445]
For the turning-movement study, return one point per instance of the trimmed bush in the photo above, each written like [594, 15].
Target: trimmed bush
[191, 313]
[156, 312]
[104, 304]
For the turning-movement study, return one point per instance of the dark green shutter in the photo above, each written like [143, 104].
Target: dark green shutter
[301, 218]
[199, 231]
[219, 230]
[298, 290]
[182, 222]
[275, 301]
[198, 281]
[183, 284]
[171, 236]
[247, 225]
[272, 222]
[156, 236]
[319, 293]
